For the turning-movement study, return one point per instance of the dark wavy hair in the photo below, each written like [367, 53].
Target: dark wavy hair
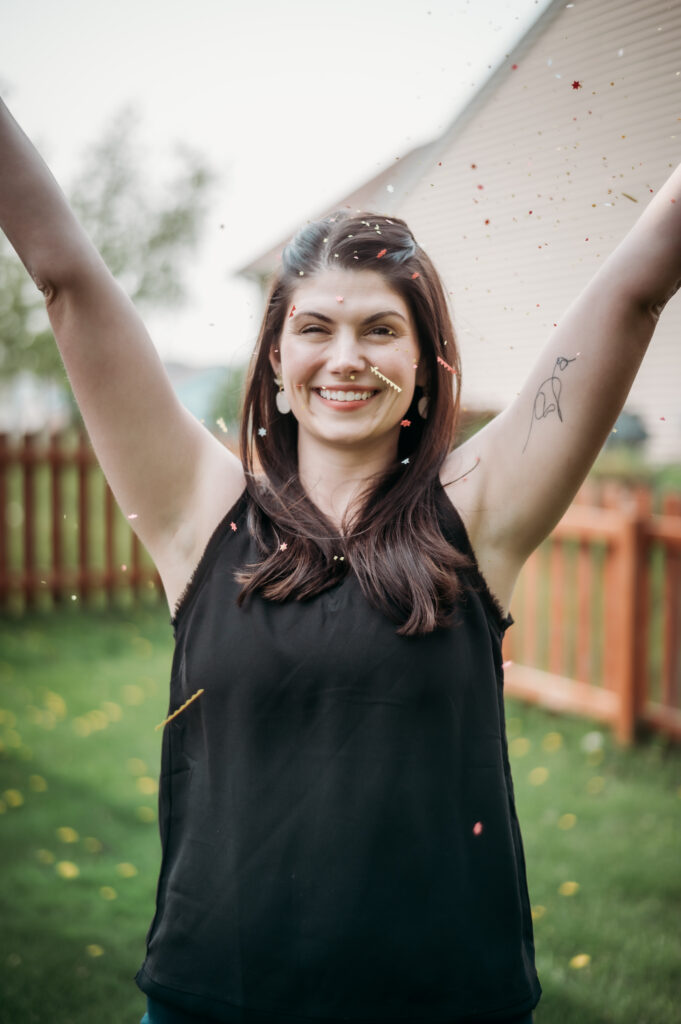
[391, 538]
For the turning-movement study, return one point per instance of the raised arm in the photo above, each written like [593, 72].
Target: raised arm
[162, 465]
[535, 455]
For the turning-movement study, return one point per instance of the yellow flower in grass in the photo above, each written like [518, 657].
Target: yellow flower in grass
[67, 869]
[13, 797]
[595, 785]
[552, 741]
[136, 766]
[126, 870]
[66, 834]
[133, 695]
[568, 888]
[538, 776]
[519, 747]
[45, 856]
[37, 783]
[107, 892]
[94, 950]
[538, 912]
[113, 711]
[146, 814]
[56, 704]
[81, 727]
[581, 960]
[93, 845]
[147, 785]
[567, 821]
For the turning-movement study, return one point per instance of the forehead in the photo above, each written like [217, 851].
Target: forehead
[362, 291]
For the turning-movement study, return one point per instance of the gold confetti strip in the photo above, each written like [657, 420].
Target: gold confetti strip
[375, 369]
[179, 710]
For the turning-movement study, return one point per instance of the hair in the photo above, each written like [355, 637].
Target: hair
[391, 539]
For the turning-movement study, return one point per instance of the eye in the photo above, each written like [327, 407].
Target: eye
[377, 329]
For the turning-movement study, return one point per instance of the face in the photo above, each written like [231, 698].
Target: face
[326, 352]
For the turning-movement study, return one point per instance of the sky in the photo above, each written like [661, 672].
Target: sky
[293, 105]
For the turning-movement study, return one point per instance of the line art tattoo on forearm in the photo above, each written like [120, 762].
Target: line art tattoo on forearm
[547, 399]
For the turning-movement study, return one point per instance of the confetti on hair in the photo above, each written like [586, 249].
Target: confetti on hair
[381, 253]
[222, 425]
[405, 462]
[415, 275]
[293, 309]
[233, 526]
[477, 828]
[405, 423]
[443, 362]
[180, 709]
[283, 546]
[339, 558]
[133, 515]
[261, 431]
[375, 369]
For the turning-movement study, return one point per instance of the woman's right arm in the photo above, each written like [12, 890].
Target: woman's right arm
[163, 466]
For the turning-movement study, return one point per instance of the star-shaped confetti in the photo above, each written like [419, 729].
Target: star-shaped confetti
[405, 423]
[405, 462]
[233, 526]
[283, 546]
[576, 84]
[262, 431]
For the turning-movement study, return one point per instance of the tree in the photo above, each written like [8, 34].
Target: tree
[143, 233]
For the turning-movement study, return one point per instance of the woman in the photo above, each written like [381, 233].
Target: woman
[339, 832]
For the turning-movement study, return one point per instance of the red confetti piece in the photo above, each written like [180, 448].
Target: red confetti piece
[477, 828]
[407, 423]
[514, 67]
[661, 417]
[233, 525]
[292, 311]
[416, 273]
[446, 365]
[486, 222]
[576, 84]
[381, 253]
[481, 187]
[474, 167]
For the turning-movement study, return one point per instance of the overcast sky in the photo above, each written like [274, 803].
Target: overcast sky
[292, 104]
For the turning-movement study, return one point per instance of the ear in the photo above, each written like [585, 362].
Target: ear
[275, 361]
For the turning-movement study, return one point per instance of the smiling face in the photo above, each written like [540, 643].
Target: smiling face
[326, 351]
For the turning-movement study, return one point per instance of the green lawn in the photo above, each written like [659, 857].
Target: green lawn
[81, 692]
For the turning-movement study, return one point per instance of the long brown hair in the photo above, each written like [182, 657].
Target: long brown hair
[393, 541]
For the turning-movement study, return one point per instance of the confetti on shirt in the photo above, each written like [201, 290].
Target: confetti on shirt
[477, 828]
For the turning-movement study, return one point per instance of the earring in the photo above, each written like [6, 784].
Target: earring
[423, 407]
[281, 401]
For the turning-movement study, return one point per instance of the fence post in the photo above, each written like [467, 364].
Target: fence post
[628, 634]
[28, 467]
[4, 541]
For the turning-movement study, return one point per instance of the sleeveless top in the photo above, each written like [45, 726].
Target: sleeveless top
[338, 828]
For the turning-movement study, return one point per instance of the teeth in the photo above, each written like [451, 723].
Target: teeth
[345, 396]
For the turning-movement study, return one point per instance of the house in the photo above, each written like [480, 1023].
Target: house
[532, 185]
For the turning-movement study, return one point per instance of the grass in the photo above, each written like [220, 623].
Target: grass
[81, 692]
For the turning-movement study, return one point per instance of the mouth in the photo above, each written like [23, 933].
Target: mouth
[357, 396]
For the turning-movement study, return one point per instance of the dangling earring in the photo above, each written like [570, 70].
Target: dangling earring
[281, 401]
[423, 406]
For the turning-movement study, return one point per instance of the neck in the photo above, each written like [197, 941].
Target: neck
[334, 477]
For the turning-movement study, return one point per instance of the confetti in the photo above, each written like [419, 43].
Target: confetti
[514, 67]
[222, 425]
[405, 462]
[282, 547]
[233, 526]
[339, 558]
[627, 196]
[339, 298]
[179, 710]
[415, 275]
[293, 309]
[443, 362]
[133, 515]
[405, 423]
[374, 369]
[107, 892]
[576, 84]
[506, 664]
[477, 828]
[381, 253]
[519, 747]
[262, 431]
[552, 741]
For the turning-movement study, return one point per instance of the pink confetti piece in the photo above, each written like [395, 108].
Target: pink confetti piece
[339, 298]
[506, 664]
[443, 362]
[416, 273]
[233, 526]
[405, 423]
[381, 253]
[477, 828]
[124, 568]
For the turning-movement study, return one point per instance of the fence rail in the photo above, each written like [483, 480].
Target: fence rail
[597, 607]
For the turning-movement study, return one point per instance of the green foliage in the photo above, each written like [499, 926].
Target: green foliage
[228, 399]
[143, 232]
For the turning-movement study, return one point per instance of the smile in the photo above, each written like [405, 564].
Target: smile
[330, 395]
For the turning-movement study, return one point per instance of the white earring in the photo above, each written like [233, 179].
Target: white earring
[423, 407]
[281, 401]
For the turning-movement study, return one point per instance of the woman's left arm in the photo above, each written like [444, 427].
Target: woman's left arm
[535, 454]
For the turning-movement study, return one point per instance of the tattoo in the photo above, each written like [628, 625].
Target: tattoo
[543, 405]
[464, 476]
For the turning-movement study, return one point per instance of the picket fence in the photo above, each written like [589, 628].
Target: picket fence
[597, 607]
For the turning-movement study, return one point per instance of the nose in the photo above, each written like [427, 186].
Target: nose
[345, 355]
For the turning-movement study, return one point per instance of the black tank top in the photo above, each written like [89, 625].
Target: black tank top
[339, 834]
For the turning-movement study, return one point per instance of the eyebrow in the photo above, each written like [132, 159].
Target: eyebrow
[367, 320]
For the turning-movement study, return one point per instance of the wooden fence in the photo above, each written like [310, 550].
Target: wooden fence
[597, 607]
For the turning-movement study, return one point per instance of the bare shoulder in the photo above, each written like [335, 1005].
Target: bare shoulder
[220, 481]
[465, 478]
